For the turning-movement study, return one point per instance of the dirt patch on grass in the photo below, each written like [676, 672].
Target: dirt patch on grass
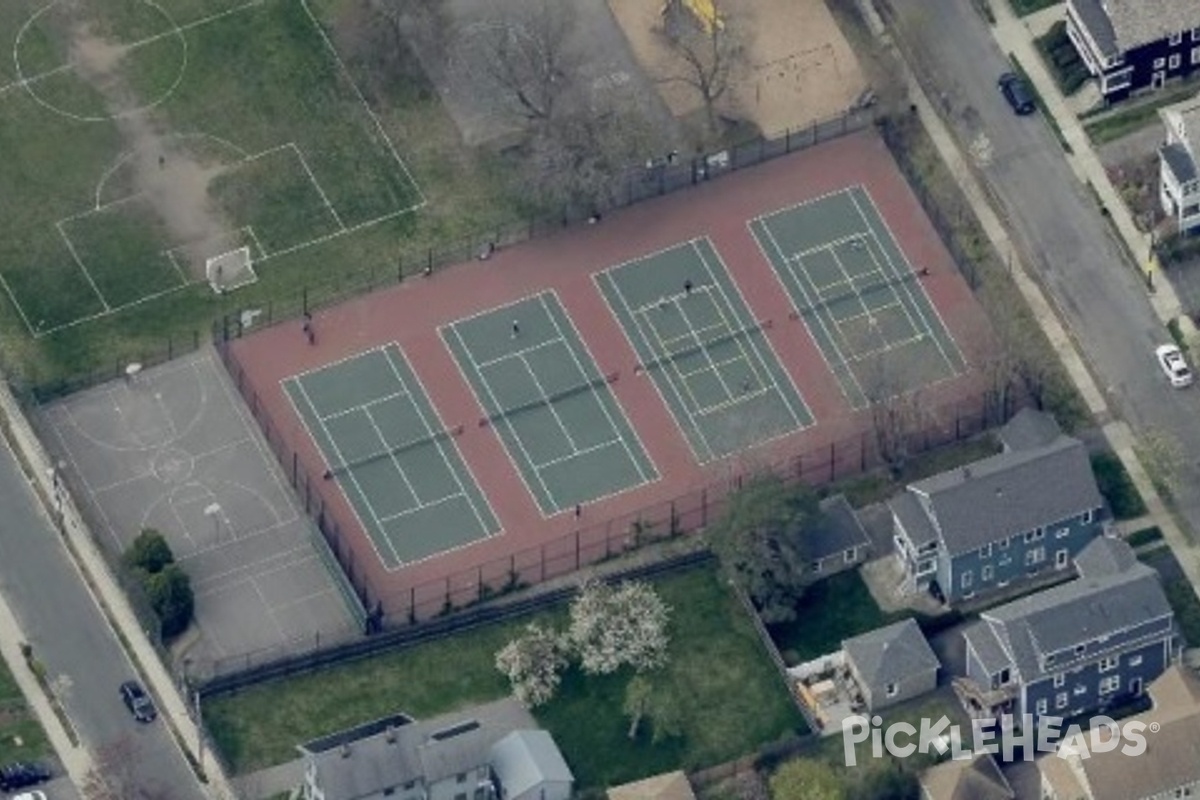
[799, 69]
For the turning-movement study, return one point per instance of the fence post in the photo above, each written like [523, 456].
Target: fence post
[862, 449]
[832, 461]
[787, 141]
[703, 508]
[576, 548]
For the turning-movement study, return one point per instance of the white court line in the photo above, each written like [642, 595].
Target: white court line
[82, 268]
[582, 452]
[938, 314]
[595, 390]
[725, 405]
[501, 417]
[796, 417]
[519, 353]
[421, 506]
[615, 290]
[861, 301]
[735, 334]
[832, 243]
[32, 79]
[364, 406]
[646, 308]
[890, 346]
[338, 452]
[391, 455]
[671, 359]
[317, 185]
[546, 402]
[440, 444]
[787, 265]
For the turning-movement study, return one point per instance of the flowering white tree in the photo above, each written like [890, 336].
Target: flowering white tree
[614, 626]
[533, 663]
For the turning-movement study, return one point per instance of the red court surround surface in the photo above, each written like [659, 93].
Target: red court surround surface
[410, 313]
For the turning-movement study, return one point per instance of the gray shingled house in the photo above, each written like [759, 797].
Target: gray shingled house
[1001, 520]
[839, 541]
[528, 766]
[1075, 648]
[892, 664]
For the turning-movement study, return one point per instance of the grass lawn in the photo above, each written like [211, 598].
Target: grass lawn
[17, 723]
[1180, 592]
[260, 78]
[733, 700]
[832, 610]
[1136, 114]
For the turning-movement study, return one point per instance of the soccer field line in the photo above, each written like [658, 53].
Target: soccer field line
[908, 290]
[75, 255]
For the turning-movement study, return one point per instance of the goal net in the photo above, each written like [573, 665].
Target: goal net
[230, 270]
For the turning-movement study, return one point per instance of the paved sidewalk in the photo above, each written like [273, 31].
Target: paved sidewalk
[1118, 433]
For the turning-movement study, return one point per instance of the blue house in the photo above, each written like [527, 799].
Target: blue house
[1076, 648]
[1005, 519]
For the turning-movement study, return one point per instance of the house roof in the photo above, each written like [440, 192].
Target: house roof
[1183, 120]
[890, 654]
[1074, 613]
[428, 750]
[907, 509]
[1172, 757]
[1105, 555]
[960, 779]
[524, 760]
[1028, 429]
[1093, 16]
[1010, 493]
[668, 786]
[987, 647]
[1137, 22]
[1179, 161]
[838, 531]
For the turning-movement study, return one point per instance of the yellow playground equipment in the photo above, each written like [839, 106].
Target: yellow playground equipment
[705, 12]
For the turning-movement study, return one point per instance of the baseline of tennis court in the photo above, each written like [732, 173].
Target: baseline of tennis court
[709, 359]
[549, 403]
[862, 302]
[391, 455]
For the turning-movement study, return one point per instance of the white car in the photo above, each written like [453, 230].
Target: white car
[1173, 364]
[31, 796]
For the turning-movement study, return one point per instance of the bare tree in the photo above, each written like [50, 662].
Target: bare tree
[116, 774]
[896, 414]
[710, 55]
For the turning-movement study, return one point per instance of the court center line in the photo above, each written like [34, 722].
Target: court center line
[734, 334]
[862, 302]
[671, 358]
[548, 404]
[897, 279]
[391, 456]
[363, 406]
[429, 429]
[421, 507]
[513, 354]
[583, 452]
[612, 424]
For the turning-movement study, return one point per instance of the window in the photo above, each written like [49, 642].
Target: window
[460, 796]
[1059, 679]
[1175, 59]
[1195, 55]
[1110, 684]
[1109, 663]
[967, 578]
[1135, 661]
[1042, 705]
[892, 690]
[1034, 535]
[389, 791]
[1087, 516]
[1003, 543]
[1003, 677]
[1035, 556]
[462, 777]
[985, 551]
[1196, 34]
[1079, 648]
[1175, 38]
[1062, 533]
[1062, 558]
[1159, 63]
[985, 574]
[851, 555]
[1060, 700]
[1080, 689]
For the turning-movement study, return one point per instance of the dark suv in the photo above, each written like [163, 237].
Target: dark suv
[1017, 92]
[21, 774]
[138, 702]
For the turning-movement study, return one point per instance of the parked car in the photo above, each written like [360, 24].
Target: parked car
[138, 702]
[34, 795]
[1174, 365]
[1017, 92]
[20, 774]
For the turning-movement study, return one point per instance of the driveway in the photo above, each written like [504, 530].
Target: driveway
[1057, 225]
[69, 635]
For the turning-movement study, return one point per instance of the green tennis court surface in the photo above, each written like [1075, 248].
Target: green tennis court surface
[387, 449]
[862, 301]
[552, 408]
[706, 354]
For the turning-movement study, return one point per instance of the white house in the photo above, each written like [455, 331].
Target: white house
[1179, 174]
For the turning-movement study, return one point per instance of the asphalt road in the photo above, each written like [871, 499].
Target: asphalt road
[1058, 224]
[72, 639]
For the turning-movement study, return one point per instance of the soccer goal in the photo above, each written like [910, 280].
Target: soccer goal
[230, 270]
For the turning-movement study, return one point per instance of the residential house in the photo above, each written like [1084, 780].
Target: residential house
[668, 786]
[838, 541]
[528, 766]
[978, 778]
[475, 758]
[1135, 44]
[892, 664]
[1169, 767]
[1179, 164]
[1076, 648]
[1004, 519]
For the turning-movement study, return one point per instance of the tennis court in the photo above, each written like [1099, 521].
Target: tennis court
[548, 401]
[396, 462]
[862, 301]
[708, 357]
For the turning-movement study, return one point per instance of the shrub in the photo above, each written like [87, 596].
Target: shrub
[171, 597]
[1114, 483]
[149, 552]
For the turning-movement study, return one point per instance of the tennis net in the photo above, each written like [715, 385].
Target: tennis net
[698, 346]
[860, 292]
[550, 399]
[390, 452]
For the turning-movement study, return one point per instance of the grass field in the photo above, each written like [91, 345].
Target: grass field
[17, 723]
[832, 610]
[733, 700]
[260, 81]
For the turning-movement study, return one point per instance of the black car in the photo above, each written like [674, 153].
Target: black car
[20, 774]
[1017, 92]
[138, 702]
